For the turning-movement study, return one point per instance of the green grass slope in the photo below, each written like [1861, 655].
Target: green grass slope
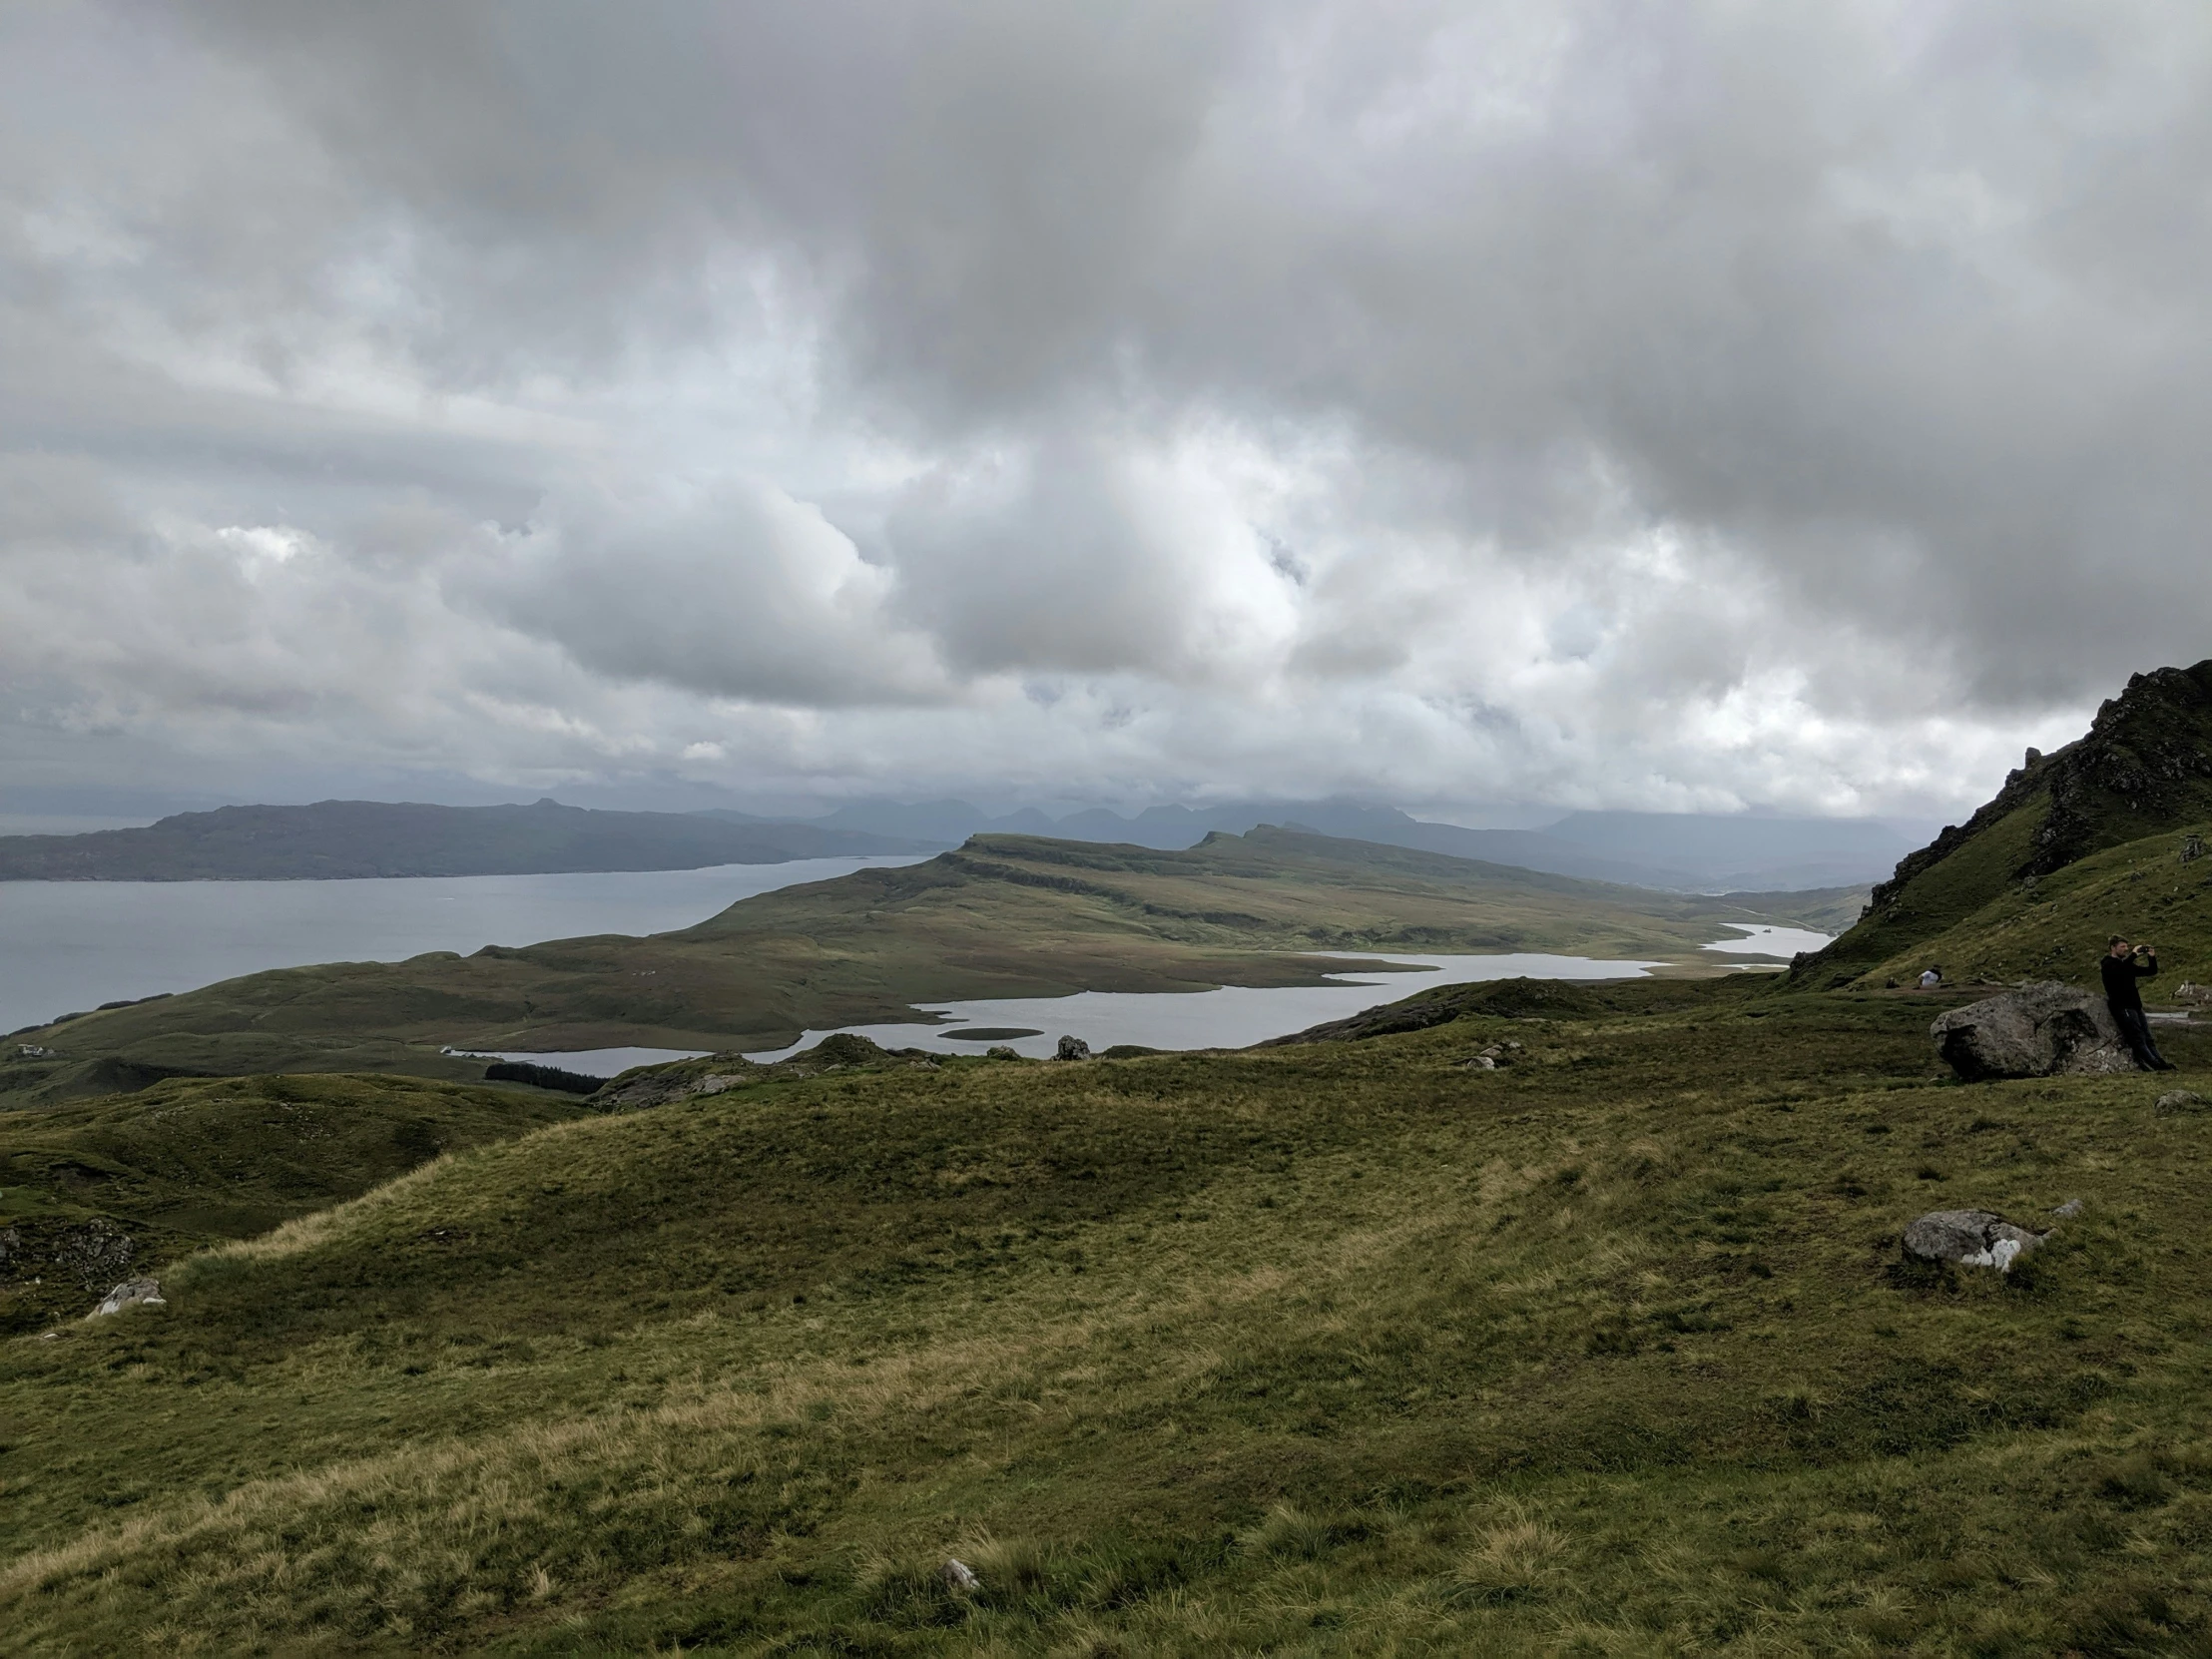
[91, 1193]
[1341, 1349]
[2143, 769]
[2056, 926]
[1004, 916]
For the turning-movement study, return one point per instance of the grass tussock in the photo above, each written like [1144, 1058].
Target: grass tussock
[1332, 1350]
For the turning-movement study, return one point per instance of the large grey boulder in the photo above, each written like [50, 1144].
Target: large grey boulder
[2034, 1031]
[1072, 1048]
[1973, 1238]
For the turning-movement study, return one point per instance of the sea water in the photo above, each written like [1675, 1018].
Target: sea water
[66, 946]
[1232, 1016]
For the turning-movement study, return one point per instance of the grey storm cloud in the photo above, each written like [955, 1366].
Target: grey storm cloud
[1797, 404]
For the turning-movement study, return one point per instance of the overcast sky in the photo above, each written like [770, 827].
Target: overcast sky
[1648, 405]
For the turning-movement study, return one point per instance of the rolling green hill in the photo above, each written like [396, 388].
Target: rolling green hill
[1003, 917]
[90, 1192]
[2027, 882]
[1336, 1348]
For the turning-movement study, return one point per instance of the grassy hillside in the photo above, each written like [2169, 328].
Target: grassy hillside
[347, 839]
[2055, 927]
[2143, 769]
[91, 1193]
[1335, 1348]
[1004, 916]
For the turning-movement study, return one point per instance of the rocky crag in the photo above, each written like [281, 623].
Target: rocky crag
[2145, 766]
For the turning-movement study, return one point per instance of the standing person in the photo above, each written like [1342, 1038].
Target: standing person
[2122, 966]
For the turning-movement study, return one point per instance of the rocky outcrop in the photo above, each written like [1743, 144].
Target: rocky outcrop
[661, 1085]
[1072, 1048]
[644, 1087]
[2146, 752]
[1971, 1238]
[92, 1251]
[2145, 765]
[2181, 1100]
[129, 1294]
[2035, 1031]
[1490, 998]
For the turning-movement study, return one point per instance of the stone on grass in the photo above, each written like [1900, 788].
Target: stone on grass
[1072, 1048]
[129, 1294]
[1971, 1238]
[2068, 1210]
[958, 1575]
[2181, 1100]
[2039, 1030]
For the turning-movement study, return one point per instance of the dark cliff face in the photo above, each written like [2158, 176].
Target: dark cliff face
[2144, 764]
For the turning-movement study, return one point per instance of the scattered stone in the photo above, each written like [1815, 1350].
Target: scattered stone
[999, 1051]
[49, 1335]
[94, 1253]
[1479, 1062]
[2181, 1100]
[2068, 1210]
[2039, 1030]
[1071, 1048]
[131, 1294]
[957, 1574]
[1971, 1238]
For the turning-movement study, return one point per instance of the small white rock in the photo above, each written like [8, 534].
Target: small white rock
[131, 1293]
[958, 1575]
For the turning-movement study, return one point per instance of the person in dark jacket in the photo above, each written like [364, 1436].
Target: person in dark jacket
[2122, 966]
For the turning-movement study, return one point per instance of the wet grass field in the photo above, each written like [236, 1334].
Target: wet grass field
[1335, 1348]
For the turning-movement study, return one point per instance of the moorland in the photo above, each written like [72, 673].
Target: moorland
[1522, 1317]
[1334, 1347]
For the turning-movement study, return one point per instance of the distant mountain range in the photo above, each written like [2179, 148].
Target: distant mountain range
[339, 839]
[1681, 853]
[1684, 853]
